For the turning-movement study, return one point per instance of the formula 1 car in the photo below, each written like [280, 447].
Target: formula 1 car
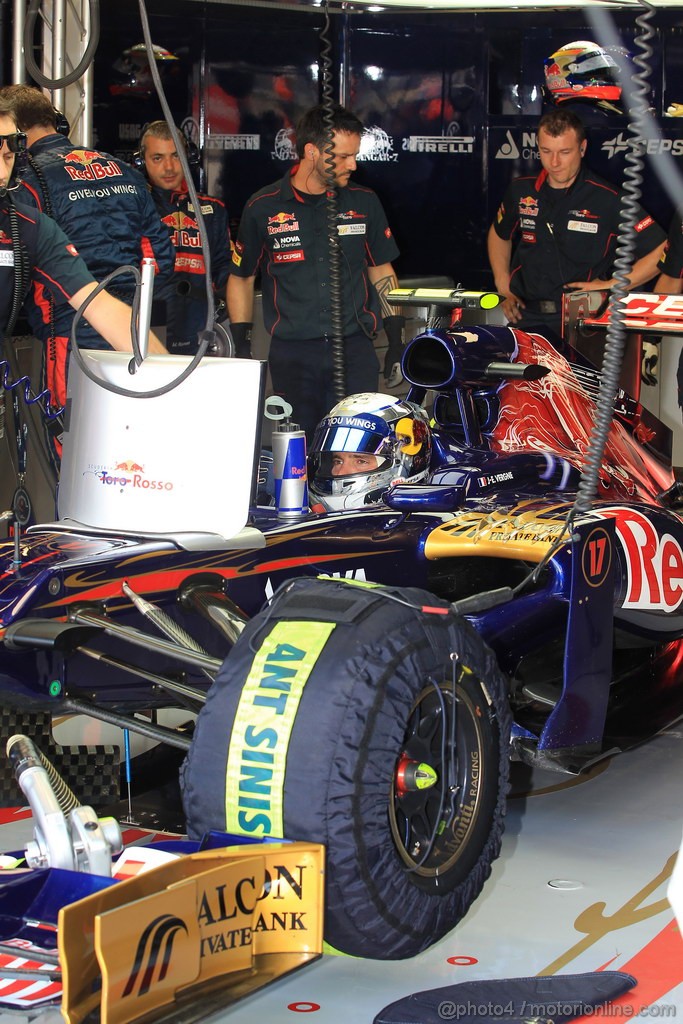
[362, 678]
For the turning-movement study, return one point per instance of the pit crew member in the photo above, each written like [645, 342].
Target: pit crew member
[284, 234]
[46, 258]
[558, 232]
[185, 294]
[100, 203]
[365, 444]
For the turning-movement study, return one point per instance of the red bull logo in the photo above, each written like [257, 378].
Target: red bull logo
[528, 205]
[179, 221]
[280, 222]
[281, 218]
[132, 467]
[89, 165]
[81, 156]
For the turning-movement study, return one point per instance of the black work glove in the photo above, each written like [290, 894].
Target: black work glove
[394, 327]
[241, 338]
[648, 365]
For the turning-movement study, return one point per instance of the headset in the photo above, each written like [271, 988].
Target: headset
[61, 122]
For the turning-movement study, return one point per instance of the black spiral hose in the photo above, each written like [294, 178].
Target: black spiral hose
[83, 64]
[616, 332]
[22, 271]
[623, 262]
[335, 256]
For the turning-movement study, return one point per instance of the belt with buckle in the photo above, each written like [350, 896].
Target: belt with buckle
[541, 306]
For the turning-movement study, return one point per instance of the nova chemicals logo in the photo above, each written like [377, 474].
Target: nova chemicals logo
[153, 954]
[509, 149]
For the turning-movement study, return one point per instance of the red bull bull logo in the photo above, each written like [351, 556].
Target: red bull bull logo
[179, 221]
[89, 165]
[528, 205]
[185, 230]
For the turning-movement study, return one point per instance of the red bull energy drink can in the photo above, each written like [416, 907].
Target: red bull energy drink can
[289, 470]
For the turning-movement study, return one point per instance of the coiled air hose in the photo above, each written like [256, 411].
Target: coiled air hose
[623, 262]
[335, 255]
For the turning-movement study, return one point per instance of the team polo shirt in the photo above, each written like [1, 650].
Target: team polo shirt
[53, 262]
[285, 234]
[671, 261]
[564, 235]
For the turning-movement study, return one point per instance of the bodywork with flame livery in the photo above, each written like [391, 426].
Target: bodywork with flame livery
[566, 623]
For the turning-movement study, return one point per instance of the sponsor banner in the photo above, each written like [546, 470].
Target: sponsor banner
[453, 144]
[233, 142]
[161, 937]
[654, 562]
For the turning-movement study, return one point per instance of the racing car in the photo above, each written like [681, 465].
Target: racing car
[362, 676]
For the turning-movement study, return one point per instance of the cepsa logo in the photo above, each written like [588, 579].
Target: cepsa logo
[654, 562]
[92, 166]
[131, 474]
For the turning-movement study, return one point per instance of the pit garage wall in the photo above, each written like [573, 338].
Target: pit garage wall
[452, 102]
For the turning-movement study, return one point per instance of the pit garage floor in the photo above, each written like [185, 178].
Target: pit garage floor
[580, 886]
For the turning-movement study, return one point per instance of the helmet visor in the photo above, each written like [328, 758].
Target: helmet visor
[345, 437]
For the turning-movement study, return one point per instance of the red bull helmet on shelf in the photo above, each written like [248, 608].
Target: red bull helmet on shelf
[131, 72]
[365, 444]
[582, 70]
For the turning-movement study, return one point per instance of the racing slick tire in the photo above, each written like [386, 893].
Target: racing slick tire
[332, 721]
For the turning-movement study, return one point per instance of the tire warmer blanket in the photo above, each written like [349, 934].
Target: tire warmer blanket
[510, 1000]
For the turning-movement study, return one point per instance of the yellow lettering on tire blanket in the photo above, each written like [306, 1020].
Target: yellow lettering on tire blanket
[257, 758]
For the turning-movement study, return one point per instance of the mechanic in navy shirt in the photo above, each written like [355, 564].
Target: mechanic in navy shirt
[559, 231]
[284, 234]
[102, 205]
[185, 294]
[48, 259]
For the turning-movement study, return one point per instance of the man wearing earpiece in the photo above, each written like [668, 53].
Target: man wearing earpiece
[185, 295]
[101, 204]
[558, 232]
[34, 251]
[285, 235]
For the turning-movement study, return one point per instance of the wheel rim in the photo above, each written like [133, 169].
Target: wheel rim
[432, 823]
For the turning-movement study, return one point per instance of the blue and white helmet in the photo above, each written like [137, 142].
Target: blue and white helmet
[395, 431]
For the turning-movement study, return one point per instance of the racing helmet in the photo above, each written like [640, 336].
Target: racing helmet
[394, 430]
[583, 71]
[131, 74]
